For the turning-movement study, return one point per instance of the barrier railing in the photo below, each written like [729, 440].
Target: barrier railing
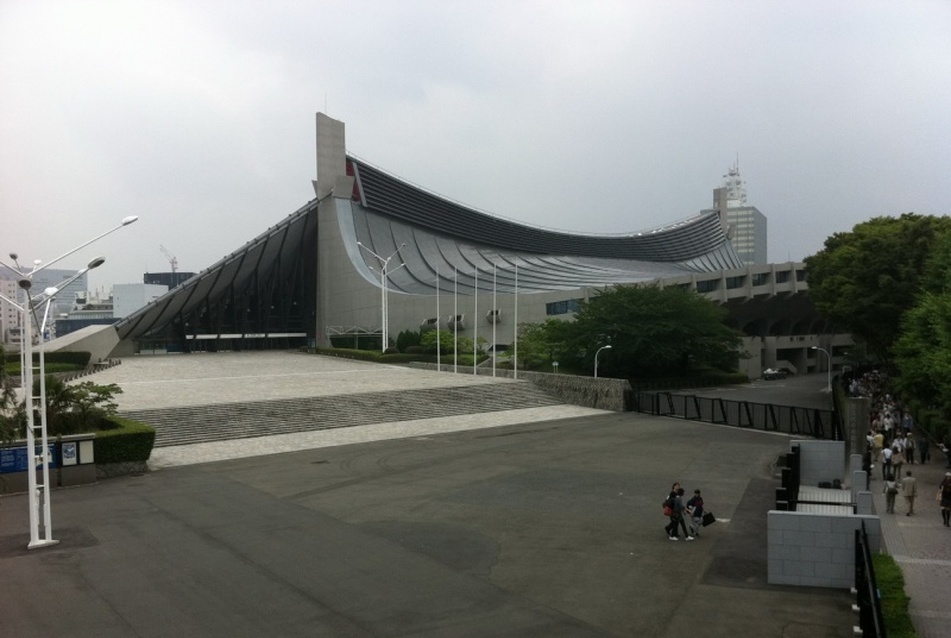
[819, 424]
[868, 598]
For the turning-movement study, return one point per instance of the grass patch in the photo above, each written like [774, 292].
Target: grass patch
[891, 586]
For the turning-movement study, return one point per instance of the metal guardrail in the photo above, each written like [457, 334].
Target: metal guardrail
[868, 597]
[819, 424]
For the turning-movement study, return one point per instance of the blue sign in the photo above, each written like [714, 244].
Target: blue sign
[15, 459]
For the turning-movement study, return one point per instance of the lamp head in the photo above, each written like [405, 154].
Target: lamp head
[13, 256]
[607, 347]
[813, 347]
[52, 290]
[130, 220]
[95, 263]
[25, 283]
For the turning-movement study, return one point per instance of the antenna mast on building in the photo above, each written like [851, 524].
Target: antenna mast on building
[172, 261]
[735, 186]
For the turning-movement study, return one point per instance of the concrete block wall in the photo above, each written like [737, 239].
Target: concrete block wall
[816, 550]
[820, 461]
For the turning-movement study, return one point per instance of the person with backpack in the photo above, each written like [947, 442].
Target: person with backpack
[675, 506]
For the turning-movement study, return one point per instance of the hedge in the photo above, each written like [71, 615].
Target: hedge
[128, 441]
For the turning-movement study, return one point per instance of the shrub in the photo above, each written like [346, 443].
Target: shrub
[126, 441]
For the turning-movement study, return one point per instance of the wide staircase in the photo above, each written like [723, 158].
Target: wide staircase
[218, 422]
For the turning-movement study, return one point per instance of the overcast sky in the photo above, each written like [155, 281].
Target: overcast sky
[599, 117]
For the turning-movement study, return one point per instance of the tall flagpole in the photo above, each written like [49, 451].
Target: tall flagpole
[475, 326]
[438, 344]
[455, 321]
[515, 327]
[495, 307]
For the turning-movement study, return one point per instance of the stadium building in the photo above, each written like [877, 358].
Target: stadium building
[372, 255]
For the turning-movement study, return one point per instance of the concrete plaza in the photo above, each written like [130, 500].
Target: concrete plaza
[541, 523]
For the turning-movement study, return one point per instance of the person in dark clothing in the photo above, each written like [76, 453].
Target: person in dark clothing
[677, 515]
[695, 509]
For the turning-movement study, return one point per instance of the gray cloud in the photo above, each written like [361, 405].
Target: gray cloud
[594, 116]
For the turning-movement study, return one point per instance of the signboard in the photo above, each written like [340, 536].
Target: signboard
[15, 459]
[69, 454]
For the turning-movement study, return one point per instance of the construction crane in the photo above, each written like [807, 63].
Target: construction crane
[172, 261]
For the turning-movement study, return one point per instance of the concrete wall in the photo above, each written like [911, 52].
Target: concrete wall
[98, 341]
[601, 393]
[820, 461]
[816, 550]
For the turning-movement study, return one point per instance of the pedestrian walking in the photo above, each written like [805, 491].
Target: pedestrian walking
[890, 490]
[677, 508]
[695, 509]
[923, 447]
[909, 487]
[944, 499]
[909, 449]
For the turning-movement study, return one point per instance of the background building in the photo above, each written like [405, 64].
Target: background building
[42, 280]
[746, 225]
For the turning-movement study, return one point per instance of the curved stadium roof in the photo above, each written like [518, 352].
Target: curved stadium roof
[273, 276]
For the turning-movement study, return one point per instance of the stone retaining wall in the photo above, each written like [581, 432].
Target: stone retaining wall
[588, 392]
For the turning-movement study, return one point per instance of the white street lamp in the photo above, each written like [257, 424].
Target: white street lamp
[608, 347]
[384, 273]
[828, 369]
[39, 496]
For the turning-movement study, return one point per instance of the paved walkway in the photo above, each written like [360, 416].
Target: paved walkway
[922, 546]
[527, 522]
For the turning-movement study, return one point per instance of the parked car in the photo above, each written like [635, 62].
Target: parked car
[770, 374]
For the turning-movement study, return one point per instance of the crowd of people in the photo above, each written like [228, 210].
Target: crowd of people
[894, 441]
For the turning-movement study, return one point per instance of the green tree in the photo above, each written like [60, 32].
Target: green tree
[11, 417]
[537, 343]
[446, 342]
[93, 403]
[865, 280]
[651, 330]
[407, 339]
[923, 352]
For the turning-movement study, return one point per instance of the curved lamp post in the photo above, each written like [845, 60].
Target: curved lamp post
[384, 273]
[828, 369]
[41, 527]
[608, 347]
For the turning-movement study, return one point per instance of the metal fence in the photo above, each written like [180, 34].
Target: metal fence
[868, 598]
[820, 424]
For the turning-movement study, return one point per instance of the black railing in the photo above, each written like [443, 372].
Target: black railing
[869, 599]
[819, 424]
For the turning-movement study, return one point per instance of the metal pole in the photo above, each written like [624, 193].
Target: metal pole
[475, 327]
[495, 307]
[515, 327]
[438, 341]
[455, 320]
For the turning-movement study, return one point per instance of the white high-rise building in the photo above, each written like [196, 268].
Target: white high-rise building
[47, 278]
[9, 315]
[746, 225]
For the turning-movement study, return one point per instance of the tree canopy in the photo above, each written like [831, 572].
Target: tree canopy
[865, 280]
[651, 330]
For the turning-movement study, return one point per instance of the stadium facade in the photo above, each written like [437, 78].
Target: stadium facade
[374, 254]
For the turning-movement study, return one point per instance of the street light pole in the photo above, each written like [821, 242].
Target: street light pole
[384, 273]
[607, 347]
[39, 495]
[828, 369]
